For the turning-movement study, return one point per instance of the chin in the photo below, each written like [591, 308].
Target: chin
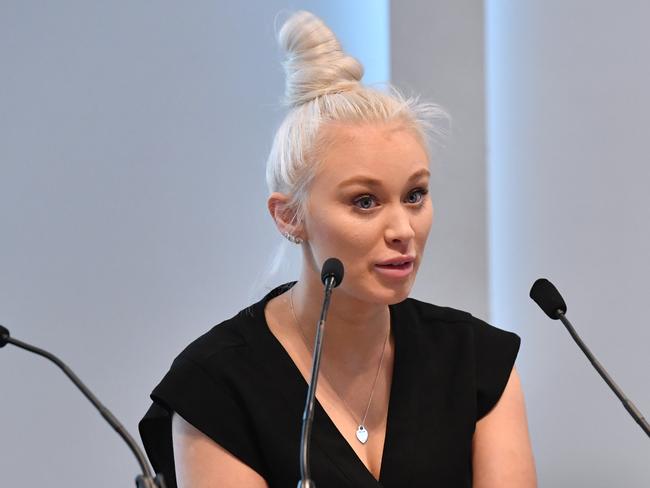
[390, 293]
[398, 295]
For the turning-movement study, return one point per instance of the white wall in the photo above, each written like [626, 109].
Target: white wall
[569, 173]
[133, 137]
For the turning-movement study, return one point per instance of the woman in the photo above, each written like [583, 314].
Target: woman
[410, 394]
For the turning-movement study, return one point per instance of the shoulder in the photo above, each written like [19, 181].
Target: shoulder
[223, 336]
[203, 386]
[430, 315]
[213, 363]
[212, 367]
[234, 334]
[439, 322]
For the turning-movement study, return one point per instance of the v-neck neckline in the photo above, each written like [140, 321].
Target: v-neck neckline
[401, 430]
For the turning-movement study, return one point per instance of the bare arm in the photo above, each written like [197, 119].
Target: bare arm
[502, 455]
[202, 463]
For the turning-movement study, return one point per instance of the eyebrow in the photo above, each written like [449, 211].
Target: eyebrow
[370, 181]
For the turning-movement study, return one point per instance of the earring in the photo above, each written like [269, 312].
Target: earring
[292, 238]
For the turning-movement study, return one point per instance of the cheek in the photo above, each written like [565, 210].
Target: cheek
[422, 224]
[341, 234]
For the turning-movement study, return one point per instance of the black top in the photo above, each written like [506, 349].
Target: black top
[238, 385]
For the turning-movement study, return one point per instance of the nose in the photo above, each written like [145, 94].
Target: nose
[399, 229]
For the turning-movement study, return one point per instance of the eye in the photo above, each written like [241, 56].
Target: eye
[416, 196]
[365, 202]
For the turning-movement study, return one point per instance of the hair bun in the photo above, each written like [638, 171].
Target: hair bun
[315, 63]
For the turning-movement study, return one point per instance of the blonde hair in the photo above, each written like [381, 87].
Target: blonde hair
[323, 85]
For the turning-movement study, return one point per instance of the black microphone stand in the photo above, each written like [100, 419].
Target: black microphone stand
[144, 480]
[627, 403]
[308, 413]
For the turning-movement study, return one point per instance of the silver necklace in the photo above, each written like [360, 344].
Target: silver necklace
[362, 432]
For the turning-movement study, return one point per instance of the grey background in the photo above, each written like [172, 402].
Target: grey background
[133, 140]
[569, 124]
[437, 51]
[133, 137]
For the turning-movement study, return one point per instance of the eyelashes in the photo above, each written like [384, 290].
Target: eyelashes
[367, 201]
[419, 193]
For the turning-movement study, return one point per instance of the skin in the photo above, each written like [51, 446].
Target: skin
[367, 203]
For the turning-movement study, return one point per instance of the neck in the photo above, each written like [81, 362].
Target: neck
[355, 330]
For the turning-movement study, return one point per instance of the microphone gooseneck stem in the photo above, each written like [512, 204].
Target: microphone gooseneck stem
[143, 480]
[308, 413]
[627, 403]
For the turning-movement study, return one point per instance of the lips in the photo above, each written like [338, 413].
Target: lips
[399, 267]
[396, 261]
[402, 265]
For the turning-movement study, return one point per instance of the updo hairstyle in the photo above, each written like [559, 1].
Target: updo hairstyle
[323, 85]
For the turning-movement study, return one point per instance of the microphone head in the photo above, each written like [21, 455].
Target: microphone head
[332, 268]
[548, 298]
[4, 336]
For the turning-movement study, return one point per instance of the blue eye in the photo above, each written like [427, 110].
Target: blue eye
[365, 202]
[416, 196]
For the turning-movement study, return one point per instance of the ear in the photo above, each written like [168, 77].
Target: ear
[284, 216]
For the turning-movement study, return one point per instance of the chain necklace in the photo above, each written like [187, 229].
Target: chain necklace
[361, 433]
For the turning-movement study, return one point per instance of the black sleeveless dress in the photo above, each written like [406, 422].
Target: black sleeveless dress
[238, 385]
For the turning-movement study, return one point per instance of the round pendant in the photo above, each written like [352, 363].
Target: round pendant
[362, 434]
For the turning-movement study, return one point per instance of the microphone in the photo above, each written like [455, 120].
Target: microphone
[332, 270]
[4, 336]
[331, 276]
[144, 480]
[548, 298]
[544, 293]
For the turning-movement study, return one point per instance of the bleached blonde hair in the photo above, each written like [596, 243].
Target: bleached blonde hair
[323, 85]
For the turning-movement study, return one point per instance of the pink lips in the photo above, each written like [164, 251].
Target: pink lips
[399, 267]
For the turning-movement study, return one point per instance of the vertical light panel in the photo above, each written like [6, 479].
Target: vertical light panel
[363, 29]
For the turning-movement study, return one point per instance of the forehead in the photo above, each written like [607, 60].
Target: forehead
[390, 152]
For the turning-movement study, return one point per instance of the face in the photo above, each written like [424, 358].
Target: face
[369, 206]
